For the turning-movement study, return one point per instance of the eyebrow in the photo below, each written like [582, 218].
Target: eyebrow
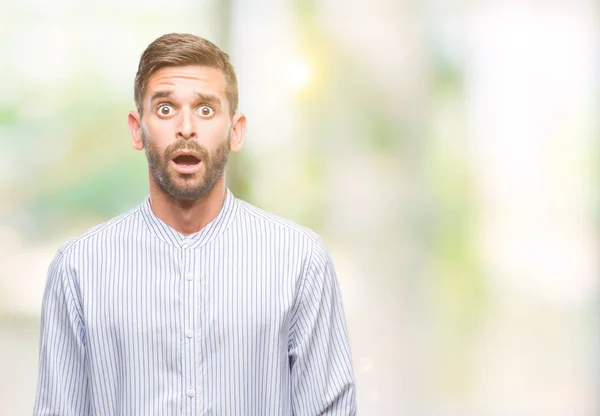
[161, 94]
[205, 98]
[209, 99]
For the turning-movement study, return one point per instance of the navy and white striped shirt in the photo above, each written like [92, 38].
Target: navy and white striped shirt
[241, 318]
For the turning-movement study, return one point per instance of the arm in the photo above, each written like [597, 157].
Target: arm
[62, 380]
[321, 367]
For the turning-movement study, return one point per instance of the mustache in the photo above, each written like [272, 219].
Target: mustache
[186, 145]
[182, 144]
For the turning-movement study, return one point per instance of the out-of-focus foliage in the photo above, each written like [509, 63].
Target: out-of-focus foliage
[446, 152]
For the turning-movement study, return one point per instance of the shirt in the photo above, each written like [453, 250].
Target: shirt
[243, 317]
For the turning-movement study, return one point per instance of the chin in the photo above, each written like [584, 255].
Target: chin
[191, 192]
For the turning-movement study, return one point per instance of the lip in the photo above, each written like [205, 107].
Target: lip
[186, 169]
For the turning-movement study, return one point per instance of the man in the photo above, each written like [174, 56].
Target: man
[195, 302]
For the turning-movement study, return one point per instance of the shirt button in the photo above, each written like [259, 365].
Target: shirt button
[190, 393]
[190, 276]
[189, 333]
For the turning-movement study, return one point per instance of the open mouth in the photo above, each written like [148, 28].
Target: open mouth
[186, 160]
[186, 163]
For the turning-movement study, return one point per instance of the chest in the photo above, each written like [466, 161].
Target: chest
[157, 297]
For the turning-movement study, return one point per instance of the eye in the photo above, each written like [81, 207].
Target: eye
[206, 111]
[165, 110]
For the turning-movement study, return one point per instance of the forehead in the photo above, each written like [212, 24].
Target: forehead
[187, 79]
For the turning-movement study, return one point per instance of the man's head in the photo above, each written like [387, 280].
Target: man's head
[186, 120]
[182, 49]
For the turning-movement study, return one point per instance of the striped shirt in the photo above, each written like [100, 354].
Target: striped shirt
[243, 317]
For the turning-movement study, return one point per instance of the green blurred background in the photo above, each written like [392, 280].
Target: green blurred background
[447, 151]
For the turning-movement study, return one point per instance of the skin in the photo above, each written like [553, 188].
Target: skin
[186, 108]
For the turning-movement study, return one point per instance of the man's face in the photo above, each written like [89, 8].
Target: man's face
[186, 129]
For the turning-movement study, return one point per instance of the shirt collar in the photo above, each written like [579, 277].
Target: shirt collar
[171, 236]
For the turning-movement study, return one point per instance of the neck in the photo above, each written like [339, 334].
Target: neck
[187, 216]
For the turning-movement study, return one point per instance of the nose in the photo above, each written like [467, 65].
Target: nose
[186, 128]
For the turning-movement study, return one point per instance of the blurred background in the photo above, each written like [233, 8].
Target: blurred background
[447, 151]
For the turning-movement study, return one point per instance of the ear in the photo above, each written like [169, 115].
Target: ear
[135, 128]
[238, 131]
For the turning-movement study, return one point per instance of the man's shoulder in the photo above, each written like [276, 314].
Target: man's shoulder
[107, 230]
[276, 223]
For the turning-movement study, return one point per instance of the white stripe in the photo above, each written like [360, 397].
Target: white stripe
[241, 318]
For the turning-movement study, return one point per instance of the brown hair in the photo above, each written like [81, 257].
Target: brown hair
[181, 49]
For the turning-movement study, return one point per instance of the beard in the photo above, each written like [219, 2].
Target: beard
[186, 186]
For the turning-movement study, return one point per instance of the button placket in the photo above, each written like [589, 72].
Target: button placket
[188, 332]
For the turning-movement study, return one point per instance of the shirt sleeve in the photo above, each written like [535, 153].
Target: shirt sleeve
[322, 378]
[62, 381]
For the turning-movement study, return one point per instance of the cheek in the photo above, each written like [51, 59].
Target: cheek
[217, 127]
[152, 143]
[158, 136]
[159, 133]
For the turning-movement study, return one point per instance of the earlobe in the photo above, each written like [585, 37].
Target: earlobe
[238, 132]
[135, 129]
